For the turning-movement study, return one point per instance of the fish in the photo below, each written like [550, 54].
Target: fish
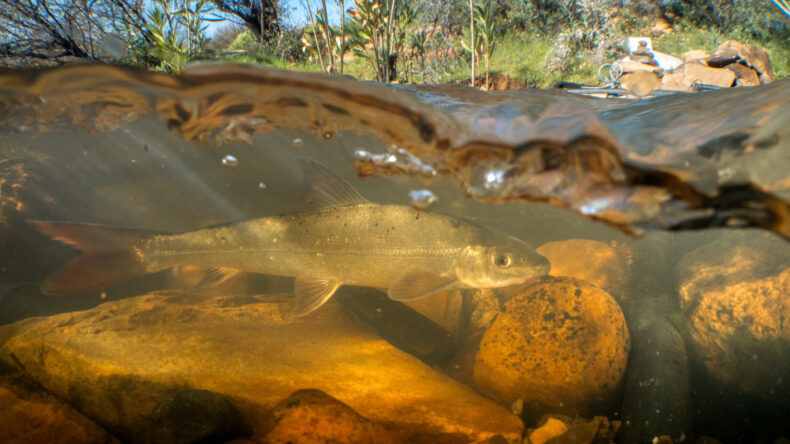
[331, 237]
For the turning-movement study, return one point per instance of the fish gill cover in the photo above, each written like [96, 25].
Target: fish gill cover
[718, 158]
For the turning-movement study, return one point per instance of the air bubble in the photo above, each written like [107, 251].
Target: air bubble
[261, 186]
[230, 161]
[422, 199]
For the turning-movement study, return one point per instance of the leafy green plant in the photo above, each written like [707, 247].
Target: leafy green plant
[380, 34]
[178, 31]
[484, 19]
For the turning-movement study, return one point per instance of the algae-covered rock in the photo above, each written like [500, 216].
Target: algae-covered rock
[734, 294]
[601, 264]
[560, 345]
[116, 362]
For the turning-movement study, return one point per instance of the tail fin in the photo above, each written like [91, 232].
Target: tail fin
[108, 256]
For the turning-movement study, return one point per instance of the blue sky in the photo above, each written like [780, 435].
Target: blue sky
[299, 14]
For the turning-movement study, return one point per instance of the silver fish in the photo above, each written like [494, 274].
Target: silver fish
[333, 237]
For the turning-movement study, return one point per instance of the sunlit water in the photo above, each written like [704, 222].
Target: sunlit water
[704, 310]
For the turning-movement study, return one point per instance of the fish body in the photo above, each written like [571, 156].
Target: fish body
[334, 238]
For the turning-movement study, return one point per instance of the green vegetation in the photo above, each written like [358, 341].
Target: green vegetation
[540, 42]
[537, 41]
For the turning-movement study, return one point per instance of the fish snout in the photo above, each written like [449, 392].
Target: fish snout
[543, 266]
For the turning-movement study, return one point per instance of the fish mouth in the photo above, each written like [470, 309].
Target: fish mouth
[543, 268]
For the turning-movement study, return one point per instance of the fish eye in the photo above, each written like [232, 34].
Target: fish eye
[502, 261]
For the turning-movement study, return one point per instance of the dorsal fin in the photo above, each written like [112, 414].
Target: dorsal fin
[323, 188]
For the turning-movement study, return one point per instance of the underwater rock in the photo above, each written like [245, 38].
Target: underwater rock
[657, 389]
[734, 294]
[311, 416]
[561, 345]
[116, 362]
[402, 326]
[656, 398]
[33, 417]
[484, 307]
[601, 264]
[465, 314]
[551, 428]
[195, 416]
[560, 429]
[443, 308]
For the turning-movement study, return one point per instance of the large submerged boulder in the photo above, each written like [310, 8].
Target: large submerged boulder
[561, 345]
[117, 362]
[734, 294]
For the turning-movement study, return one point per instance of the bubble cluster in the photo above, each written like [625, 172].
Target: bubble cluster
[395, 160]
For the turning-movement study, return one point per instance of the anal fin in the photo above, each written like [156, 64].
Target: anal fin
[312, 293]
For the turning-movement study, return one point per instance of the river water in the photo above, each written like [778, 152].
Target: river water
[668, 216]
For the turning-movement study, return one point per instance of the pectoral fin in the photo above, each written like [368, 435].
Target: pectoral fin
[312, 293]
[416, 283]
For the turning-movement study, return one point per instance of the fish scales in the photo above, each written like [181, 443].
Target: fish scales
[367, 244]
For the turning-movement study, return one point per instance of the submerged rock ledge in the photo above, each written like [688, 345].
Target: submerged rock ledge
[116, 362]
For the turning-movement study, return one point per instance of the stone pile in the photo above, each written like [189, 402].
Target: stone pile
[732, 64]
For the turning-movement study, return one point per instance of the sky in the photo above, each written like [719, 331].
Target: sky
[298, 13]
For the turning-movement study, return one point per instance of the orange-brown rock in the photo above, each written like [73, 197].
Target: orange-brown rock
[676, 81]
[561, 345]
[640, 83]
[499, 82]
[696, 72]
[116, 361]
[551, 428]
[695, 54]
[744, 76]
[630, 65]
[734, 293]
[312, 417]
[598, 263]
[753, 56]
[561, 429]
[34, 418]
